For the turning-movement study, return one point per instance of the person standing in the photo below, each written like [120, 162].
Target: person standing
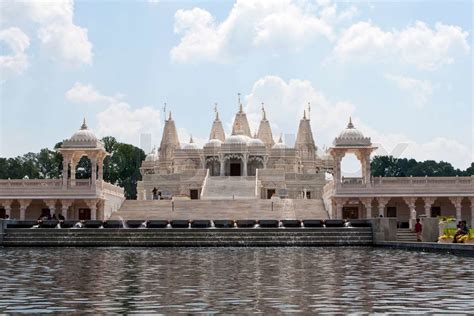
[418, 229]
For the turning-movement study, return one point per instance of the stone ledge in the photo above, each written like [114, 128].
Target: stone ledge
[465, 249]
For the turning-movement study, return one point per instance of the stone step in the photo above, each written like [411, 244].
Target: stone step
[222, 209]
[188, 237]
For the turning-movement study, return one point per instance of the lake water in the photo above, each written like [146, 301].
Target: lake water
[233, 280]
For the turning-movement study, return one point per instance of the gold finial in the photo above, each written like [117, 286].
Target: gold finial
[84, 125]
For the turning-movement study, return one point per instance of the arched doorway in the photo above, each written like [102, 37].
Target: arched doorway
[234, 165]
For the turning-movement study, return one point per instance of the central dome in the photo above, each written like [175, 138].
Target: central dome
[237, 139]
[213, 143]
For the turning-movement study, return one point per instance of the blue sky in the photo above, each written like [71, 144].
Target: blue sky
[402, 70]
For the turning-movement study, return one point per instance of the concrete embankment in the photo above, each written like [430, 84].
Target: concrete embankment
[465, 249]
[240, 237]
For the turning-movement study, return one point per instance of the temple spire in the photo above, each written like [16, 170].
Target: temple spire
[217, 131]
[265, 131]
[304, 139]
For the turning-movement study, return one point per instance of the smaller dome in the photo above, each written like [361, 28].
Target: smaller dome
[191, 145]
[83, 134]
[152, 156]
[255, 142]
[280, 144]
[351, 137]
[237, 139]
[213, 143]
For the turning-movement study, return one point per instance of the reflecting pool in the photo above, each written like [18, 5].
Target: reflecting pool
[233, 280]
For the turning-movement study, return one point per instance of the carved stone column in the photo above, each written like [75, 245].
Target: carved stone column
[65, 172]
[100, 164]
[73, 172]
[368, 206]
[339, 204]
[23, 206]
[7, 205]
[428, 203]
[245, 161]
[456, 200]
[65, 204]
[92, 204]
[51, 204]
[222, 161]
[382, 201]
[93, 170]
[410, 201]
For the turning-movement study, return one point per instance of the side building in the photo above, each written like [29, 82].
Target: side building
[83, 199]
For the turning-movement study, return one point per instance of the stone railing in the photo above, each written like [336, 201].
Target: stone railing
[112, 189]
[188, 175]
[410, 185]
[271, 175]
[54, 188]
[203, 190]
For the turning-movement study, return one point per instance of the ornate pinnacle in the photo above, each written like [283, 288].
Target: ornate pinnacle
[191, 139]
[169, 118]
[216, 111]
[350, 125]
[240, 104]
[84, 125]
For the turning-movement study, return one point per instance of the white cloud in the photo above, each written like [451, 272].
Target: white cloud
[61, 38]
[418, 44]
[419, 90]
[118, 119]
[286, 100]
[275, 25]
[86, 93]
[16, 62]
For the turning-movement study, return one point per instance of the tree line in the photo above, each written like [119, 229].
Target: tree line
[389, 166]
[122, 167]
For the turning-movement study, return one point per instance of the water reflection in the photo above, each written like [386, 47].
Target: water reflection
[233, 280]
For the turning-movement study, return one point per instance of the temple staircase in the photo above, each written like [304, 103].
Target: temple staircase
[222, 209]
[229, 188]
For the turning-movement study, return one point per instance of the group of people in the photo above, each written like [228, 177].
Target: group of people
[48, 217]
[462, 230]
